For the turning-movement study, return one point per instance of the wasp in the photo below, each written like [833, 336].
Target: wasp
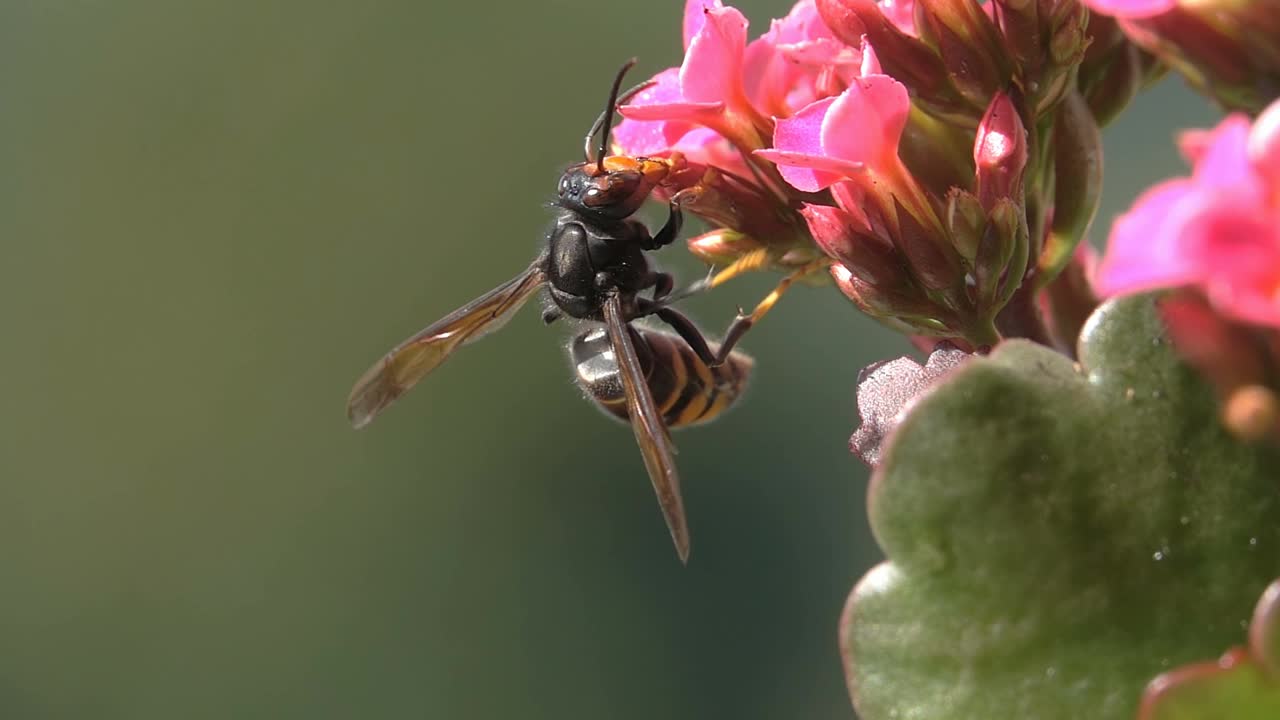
[595, 269]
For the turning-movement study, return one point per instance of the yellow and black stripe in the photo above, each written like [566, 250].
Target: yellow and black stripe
[685, 390]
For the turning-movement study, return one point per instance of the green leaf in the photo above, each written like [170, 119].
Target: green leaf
[1058, 534]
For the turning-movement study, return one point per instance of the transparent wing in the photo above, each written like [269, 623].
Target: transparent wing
[651, 432]
[411, 360]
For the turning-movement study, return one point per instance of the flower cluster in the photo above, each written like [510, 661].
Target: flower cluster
[943, 154]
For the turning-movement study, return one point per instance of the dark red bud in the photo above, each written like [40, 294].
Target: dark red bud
[847, 239]
[1019, 23]
[907, 313]
[1068, 38]
[970, 46]
[903, 57]
[932, 259]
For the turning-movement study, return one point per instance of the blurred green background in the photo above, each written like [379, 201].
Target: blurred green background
[214, 216]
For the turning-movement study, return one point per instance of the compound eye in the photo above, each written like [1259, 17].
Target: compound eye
[564, 186]
[600, 193]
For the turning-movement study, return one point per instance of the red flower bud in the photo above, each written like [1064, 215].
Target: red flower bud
[933, 261]
[1225, 48]
[968, 43]
[903, 312]
[1046, 41]
[847, 238]
[1000, 152]
[905, 58]
[722, 246]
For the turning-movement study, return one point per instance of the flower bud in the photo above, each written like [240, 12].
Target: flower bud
[1001, 259]
[905, 313]
[928, 252]
[871, 257]
[1019, 22]
[1224, 48]
[722, 246]
[752, 211]
[966, 221]
[1000, 152]
[1046, 40]
[907, 59]
[964, 37]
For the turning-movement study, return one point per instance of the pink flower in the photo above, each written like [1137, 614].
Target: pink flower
[733, 87]
[1131, 8]
[721, 104]
[707, 89]
[1218, 230]
[850, 137]
[797, 62]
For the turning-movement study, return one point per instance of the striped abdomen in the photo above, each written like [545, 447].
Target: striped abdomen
[685, 390]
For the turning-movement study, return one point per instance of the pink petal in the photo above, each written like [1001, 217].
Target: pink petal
[771, 75]
[870, 63]
[647, 137]
[636, 137]
[810, 173]
[1264, 146]
[1224, 161]
[767, 76]
[1194, 143]
[690, 112]
[1230, 237]
[712, 68]
[694, 17]
[802, 132]
[902, 13]
[1143, 251]
[865, 123]
[1253, 304]
[1131, 8]
[707, 147]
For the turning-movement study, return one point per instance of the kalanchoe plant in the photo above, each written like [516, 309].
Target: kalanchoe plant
[1073, 498]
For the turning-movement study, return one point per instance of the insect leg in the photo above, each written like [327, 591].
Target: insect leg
[668, 232]
[684, 327]
[663, 284]
[743, 322]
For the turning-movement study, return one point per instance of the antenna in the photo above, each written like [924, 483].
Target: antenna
[606, 118]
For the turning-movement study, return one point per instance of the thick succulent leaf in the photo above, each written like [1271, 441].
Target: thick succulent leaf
[1058, 534]
[1242, 685]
